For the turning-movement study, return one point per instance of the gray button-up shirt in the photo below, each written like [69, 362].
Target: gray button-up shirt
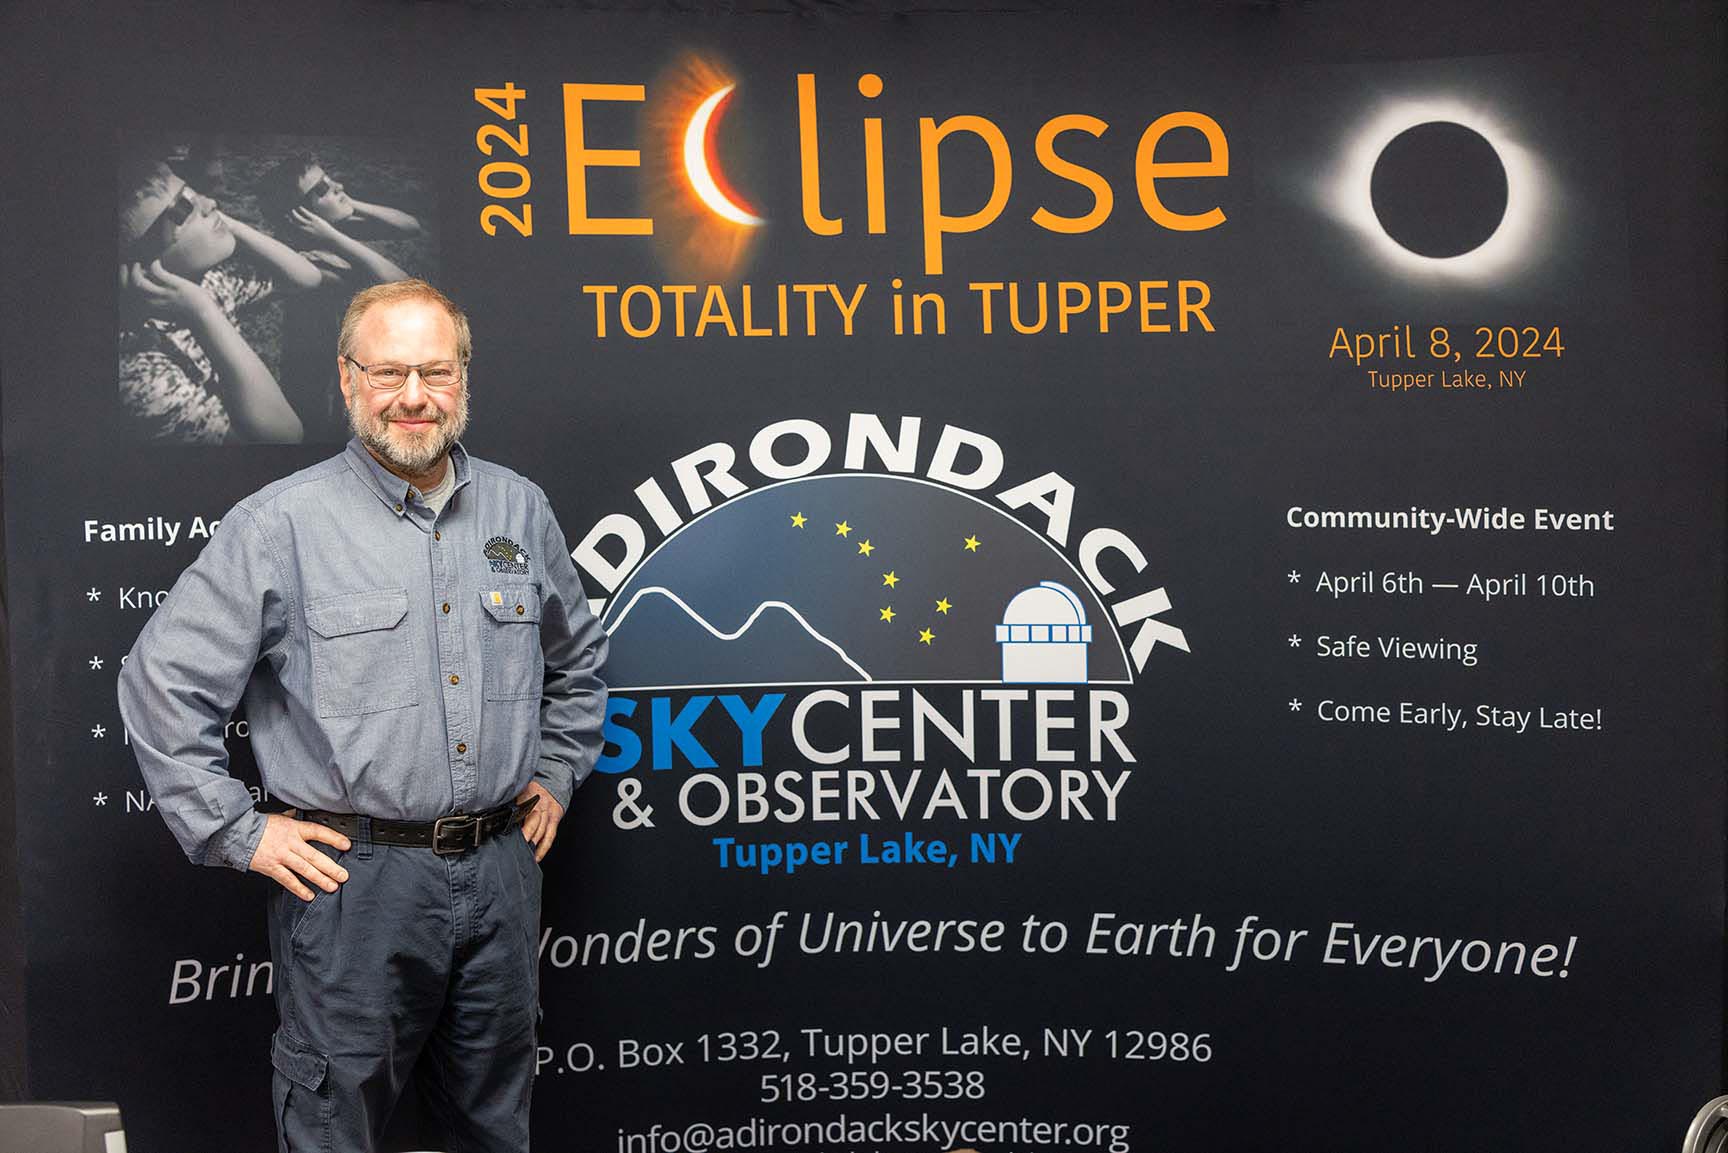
[391, 662]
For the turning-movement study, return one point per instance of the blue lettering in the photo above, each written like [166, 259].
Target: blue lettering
[669, 732]
[751, 722]
[629, 744]
[984, 847]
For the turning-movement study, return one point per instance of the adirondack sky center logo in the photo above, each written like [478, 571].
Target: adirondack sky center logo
[506, 556]
[927, 643]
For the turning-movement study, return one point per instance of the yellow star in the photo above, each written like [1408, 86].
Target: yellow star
[798, 520]
[890, 579]
[887, 614]
[842, 529]
[925, 636]
[942, 606]
[971, 544]
[865, 548]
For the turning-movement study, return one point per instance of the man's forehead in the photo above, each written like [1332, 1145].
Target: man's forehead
[402, 322]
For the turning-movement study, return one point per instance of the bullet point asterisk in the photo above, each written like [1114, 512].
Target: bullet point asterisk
[95, 662]
[100, 798]
[98, 732]
[1295, 706]
[94, 594]
[1294, 576]
[1295, 641]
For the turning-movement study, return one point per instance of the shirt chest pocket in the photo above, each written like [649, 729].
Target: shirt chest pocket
[515, 670]
[362, 652]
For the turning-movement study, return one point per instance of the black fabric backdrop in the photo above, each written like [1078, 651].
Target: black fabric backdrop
[1245, 807]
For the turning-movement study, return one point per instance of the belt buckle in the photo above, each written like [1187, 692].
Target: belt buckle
[464, 827]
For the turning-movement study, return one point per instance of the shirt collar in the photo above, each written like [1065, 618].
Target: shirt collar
[386, 485]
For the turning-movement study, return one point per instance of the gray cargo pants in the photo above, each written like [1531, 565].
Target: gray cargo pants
[420, 967]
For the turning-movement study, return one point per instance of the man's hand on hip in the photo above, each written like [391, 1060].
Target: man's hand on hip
[541, 824]
[285, 854]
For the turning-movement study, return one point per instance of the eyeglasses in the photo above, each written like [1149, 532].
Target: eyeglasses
[438, 375]
[181, 209]
[153, 241]
[324, 185]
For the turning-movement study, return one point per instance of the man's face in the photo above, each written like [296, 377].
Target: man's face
[324, 195]
[189, 235]
[409, 428]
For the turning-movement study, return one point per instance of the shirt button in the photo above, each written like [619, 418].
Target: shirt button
[398, 508]
[436, 535]
[454, 679]
[461, 748]
[446, 606]
[520, 610]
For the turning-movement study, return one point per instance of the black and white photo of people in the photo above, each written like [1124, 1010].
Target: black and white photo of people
[236, 258]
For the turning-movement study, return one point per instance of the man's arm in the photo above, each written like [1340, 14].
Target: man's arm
[178, 687]
[574, 700]
[185, 674]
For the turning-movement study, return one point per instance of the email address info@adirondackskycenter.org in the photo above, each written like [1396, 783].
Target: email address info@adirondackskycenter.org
[875, 1132]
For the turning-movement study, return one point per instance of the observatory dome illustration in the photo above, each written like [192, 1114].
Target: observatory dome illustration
[1043, 636]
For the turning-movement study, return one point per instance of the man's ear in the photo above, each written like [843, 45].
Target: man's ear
[342, 379]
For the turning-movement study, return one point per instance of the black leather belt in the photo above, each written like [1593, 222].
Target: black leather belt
[447, 836]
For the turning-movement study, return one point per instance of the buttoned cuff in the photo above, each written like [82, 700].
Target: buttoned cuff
[235, 845]
[556, 778]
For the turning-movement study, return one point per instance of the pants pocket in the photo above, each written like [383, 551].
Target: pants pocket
[300, 912]
[301, 1092]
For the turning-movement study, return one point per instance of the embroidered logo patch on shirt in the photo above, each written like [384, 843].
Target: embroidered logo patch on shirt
[506, 556]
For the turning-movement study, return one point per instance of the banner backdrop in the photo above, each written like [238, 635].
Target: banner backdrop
[1164, 567]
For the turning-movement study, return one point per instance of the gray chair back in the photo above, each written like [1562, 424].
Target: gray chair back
[61, 1127]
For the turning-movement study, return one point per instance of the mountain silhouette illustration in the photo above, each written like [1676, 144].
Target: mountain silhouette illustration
[773, 648]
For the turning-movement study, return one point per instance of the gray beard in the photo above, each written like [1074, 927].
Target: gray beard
[374, 434]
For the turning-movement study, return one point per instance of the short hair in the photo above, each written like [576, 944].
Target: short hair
[279, 186]
[139, 178]
[395, 292]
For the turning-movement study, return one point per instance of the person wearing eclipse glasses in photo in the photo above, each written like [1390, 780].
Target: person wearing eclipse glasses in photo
[302, 193]
[187, 375]
[314, 212]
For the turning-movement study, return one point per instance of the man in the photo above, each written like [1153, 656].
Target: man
[186, 373]
[410, 641]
